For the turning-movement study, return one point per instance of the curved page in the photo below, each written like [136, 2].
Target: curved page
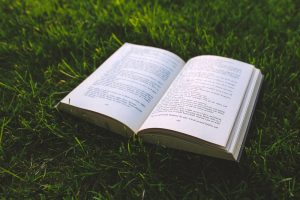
[204, 100]
[128, 85]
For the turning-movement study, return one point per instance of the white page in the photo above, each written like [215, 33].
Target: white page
[203, 101]
[128, 85]
[240, 129]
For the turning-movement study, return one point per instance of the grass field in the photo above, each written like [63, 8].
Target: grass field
[48, 47]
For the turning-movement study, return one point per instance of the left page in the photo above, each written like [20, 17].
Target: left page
[128, 85]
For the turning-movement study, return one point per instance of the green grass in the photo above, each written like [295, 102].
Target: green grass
[49, 47]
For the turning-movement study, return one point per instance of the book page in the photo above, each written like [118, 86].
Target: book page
[128, 85]
[204, 100]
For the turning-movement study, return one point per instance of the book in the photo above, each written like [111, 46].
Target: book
[202, 106]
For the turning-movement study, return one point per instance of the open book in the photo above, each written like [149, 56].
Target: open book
[203, 105]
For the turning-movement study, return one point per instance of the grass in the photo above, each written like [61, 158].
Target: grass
[49, 47]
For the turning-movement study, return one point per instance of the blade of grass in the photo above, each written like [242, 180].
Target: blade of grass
[11, 173]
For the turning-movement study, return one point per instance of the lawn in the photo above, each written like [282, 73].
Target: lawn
[48, 47]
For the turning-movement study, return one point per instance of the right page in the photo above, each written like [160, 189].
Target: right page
[204, 99]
